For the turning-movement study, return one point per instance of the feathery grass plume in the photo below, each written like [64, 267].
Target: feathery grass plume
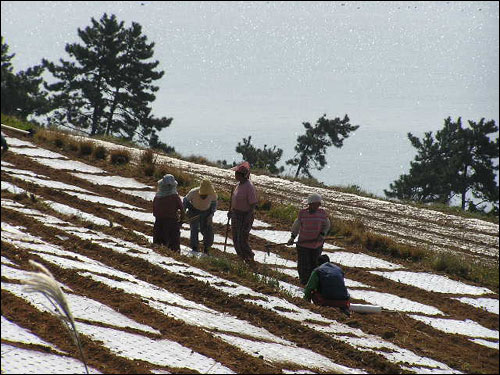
[45, 283]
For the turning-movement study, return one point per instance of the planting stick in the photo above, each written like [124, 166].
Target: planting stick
[227, 225]
[286, 243]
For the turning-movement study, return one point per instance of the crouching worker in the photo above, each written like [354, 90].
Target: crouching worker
[169, 214]
[200, 204]
[326, 286]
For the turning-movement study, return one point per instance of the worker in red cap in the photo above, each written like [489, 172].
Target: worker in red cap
[243, 203]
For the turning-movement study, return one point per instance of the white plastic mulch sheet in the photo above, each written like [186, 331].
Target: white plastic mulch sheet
[433, 283]
[17, 360]
[173, 305]
[37, 152]
[489, 304]
[70, 165]
[115, 181]
[223, 326]
[15, 333]
[284, 308]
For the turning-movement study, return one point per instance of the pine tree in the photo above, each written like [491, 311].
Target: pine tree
[265, 158]
[311, 147]
[457, 162]
[21, 95]
[109, 87]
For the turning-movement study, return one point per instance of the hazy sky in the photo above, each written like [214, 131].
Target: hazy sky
[234, 69]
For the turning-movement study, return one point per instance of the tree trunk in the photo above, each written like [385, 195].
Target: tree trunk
[96, 116]
[112, 111]
[463, 199]
[302, 162]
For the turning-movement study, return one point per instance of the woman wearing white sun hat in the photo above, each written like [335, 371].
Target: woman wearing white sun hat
[312, 225]
[200, 204]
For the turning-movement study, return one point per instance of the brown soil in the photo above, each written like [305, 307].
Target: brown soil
[454, 350]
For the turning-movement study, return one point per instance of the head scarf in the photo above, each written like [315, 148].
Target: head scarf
[243, 168]
[166, 186]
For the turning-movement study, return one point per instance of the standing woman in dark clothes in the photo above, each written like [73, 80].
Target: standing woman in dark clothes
[169, 214]
[243, 203]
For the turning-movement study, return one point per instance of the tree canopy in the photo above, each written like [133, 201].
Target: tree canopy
[458, 161]
[265, 158]
[21, 92]
[108, 87]
[311, 147]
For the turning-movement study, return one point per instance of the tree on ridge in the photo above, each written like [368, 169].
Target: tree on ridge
[108, 88]
[458, 161]
[311, 147]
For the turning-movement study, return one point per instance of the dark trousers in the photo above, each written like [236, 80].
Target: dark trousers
[241, 225]
[167, 232]
[307, 261]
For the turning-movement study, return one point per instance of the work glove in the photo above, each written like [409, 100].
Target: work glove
[290, 241]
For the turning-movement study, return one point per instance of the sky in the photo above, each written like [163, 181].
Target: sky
[234, 69]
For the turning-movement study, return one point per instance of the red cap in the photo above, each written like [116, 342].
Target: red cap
[242, 168]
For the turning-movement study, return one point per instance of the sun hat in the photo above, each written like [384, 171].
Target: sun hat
[314, 198]
[206, 188]
[166, 186]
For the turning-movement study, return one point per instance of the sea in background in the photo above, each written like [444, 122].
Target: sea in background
[234, 69]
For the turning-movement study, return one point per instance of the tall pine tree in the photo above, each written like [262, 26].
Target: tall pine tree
[21, 95]
[109, 87]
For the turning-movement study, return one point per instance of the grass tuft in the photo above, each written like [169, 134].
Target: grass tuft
[100, 153]
[120, 157]
[287, 213]
[85, 148]
[183, 179]
[44, 282]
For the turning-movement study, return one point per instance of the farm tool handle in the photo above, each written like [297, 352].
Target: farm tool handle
[227, 225]
[286, 243]
[191, 219]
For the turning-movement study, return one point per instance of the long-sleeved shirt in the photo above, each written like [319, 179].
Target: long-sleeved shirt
[309, 225]
[167, 207]
[193, 200]
[328, 280]
[244, 197]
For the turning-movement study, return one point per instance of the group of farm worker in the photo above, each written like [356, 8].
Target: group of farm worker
[323, 280]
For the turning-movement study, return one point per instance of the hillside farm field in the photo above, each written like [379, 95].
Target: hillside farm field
[140, 308]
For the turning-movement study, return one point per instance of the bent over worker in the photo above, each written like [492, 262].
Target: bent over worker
[326, 286]
[311, 225]
[200, 204]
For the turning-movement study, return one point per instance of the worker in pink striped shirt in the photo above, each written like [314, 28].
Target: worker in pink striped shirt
[311, 225]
